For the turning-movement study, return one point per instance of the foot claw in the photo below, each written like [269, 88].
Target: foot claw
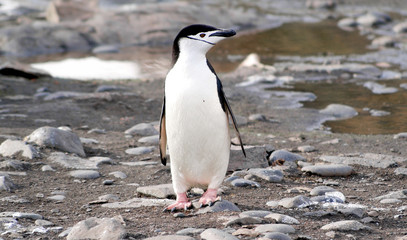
[210, 203]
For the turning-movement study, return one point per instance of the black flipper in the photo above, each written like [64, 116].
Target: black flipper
[163, 136]
[226, 106]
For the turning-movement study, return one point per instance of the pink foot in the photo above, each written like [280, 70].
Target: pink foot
[209, 197]
[182, 203]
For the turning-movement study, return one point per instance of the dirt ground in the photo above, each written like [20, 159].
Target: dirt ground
[116, 112]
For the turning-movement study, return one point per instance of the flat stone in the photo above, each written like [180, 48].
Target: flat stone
[330, 197]
[59, 198]
[347, 22]
[15, 164]
[220, 206]
[34, 216]
[244, 232]
[319, 214]
[306, 149]
[158, 191]
[402, 135]
[384, 41]
[356, 212]
[139, 150]
[139, 202]
[277, 236]
[62, 95]
[150, 139]
[98, 228]
[286, 156]
[244, 183]
[366, 159]
[44, 223]
[10, 148]
[216, 234]
[118, 174]
[296, 202]
[390, 201]
[170, 237]
[254, 214]
[401, 171]
[345, 225]
[377, 88]
[339, 111]
[72, 162]
[88, 141]
[400, 27]
[282, 228]
[142, 129]
[256, 157]
[108, 197]
[372, 19]
[329, 170]
[101, 160]
[56, 138]
[190, 231]
[331, 142]
[244, 221]
[14, 199]
[378, 113]
[47, 168]
[257, 117]
[7, 184]
[137, 164]
[281, 218]
[109, 88]
[321, 190]
[269, 175]
[85, 174]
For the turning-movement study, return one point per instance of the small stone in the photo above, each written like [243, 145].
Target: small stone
[373, 213]
[72, 162]
[142, 129]
[401, 194]
[34, 216]
[296, 202]
[179, 215]
[108, 197]
[347, 23]
[402, 135]
[390, 201]
[108, 182]
[97, 131]
[331, 142]
[268, 174]
[286, 156]
[98, 228]
[216, 234]
[401, 171]
[254, 214]
[346, 225]
[245, 232]
[400, 27]
[158, 191]
[377, 88]
[378, 113]
[10, 148]
[7, 184]
[44, 223]
[220, 206]
[282, 228]
[281, 218]
[139, 150]
[150, 139]
[372, 19]
[118, 174]
[329, 170]
[14, 199]
[47, 168]
[331, 234]
[59, 198]
[321, 190]
[88, 141]
[277, 236]
[339, 111]
[190, 231]
[85, 174]
[367, 220]
[244, 221]
[15, 164]
[244, 183]
[257, 117]
[384, 41]
[306, 149]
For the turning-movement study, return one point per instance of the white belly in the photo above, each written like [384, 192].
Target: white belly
[197, 132]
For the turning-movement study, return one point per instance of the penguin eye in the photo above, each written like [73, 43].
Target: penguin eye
[202, 35]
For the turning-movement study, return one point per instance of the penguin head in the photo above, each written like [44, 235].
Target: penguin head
[198, 38]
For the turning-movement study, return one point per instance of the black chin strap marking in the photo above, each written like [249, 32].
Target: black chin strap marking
[201, 40]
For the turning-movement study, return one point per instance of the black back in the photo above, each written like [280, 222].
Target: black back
[189, 30]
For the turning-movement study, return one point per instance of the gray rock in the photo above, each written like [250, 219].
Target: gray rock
[85, 174]
[14, 164]
[98, 228]
[378, 113]
[389, 74]
[244, 221]
[158, 191]
[296, 202]
[216, 234]
[47, 168]
[88, 141]
[62, 95]
[10, 148]
[72, 162]
[339, 111]
[402, 135]
[150, 139]
[108, 197]
[384, 41]
[321, 4]
[108, 182]
[281, 218]
[400, 27]
[101, 160]
[282, 228]
[372, 19]
[267, 174]
[346, 225]
[257, 117]
[6, 184]
[256, 157]
[254, 213]
[44, 223]
[306, 148]
[321, 190]
[59, 198]
[139, 202]
[109, 88]
[401, 171]
[286, 156]
[139, 150]
[277, 236]
[366, 159]
[97, 131]
[137, 164]
[347, 23]
[220, 206]
[377, 88]
[105, 49]
[14, 199]
[170, 237]
[336, 68]
[190, 231]
[319, 214]
[403, 85]
[142, 129]
[118, 174]
[56, 138]
[34, 216]
[401, 194]
[356, 212]
[329, 170]
[244, 183]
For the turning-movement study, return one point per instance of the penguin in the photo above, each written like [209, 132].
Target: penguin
[194, 121]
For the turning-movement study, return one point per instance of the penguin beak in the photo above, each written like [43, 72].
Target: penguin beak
[223, 33]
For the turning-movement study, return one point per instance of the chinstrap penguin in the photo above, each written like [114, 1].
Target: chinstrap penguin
[195, 117]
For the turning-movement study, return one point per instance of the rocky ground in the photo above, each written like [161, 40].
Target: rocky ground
[79, 159]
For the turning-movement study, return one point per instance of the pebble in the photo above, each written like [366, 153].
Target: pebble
[15, 164]
[108, 182]
[108, 197]
[7, 184]
[329, 170]
[258, 117]
[281, 218]
[378, 88]
[400, 27]
[357, 212]
[282, 228]
[216, 234]
[365, 159]
[244, 183]
[85, 174]
[109, 88]
[403, 85]
[286, 156]
[44, 223]
[150, 139]
[190, 231]
[14, 199]
[306, 149]
[384, 41]
[390, 201]
[347, 23]
[56, 138]
[244, 221]
[47, 168]
[321, 190]
[170, 237]
[277, 236]
[88, 141]
[401, 171]
[98, 228]
[34, 216]
[331, 142]
[402, 135]
[378, 113]
[139, 150]
[339, 111]
[245, 232]
[97, 131]
[220, 206]
[10, 148]
[118, 174]
[254, 214]
[59, 198]
[269, 175]
[401, 194]
[296, 202]
[142, 129]
[345, 225]
[158, 191]
[372, 19]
